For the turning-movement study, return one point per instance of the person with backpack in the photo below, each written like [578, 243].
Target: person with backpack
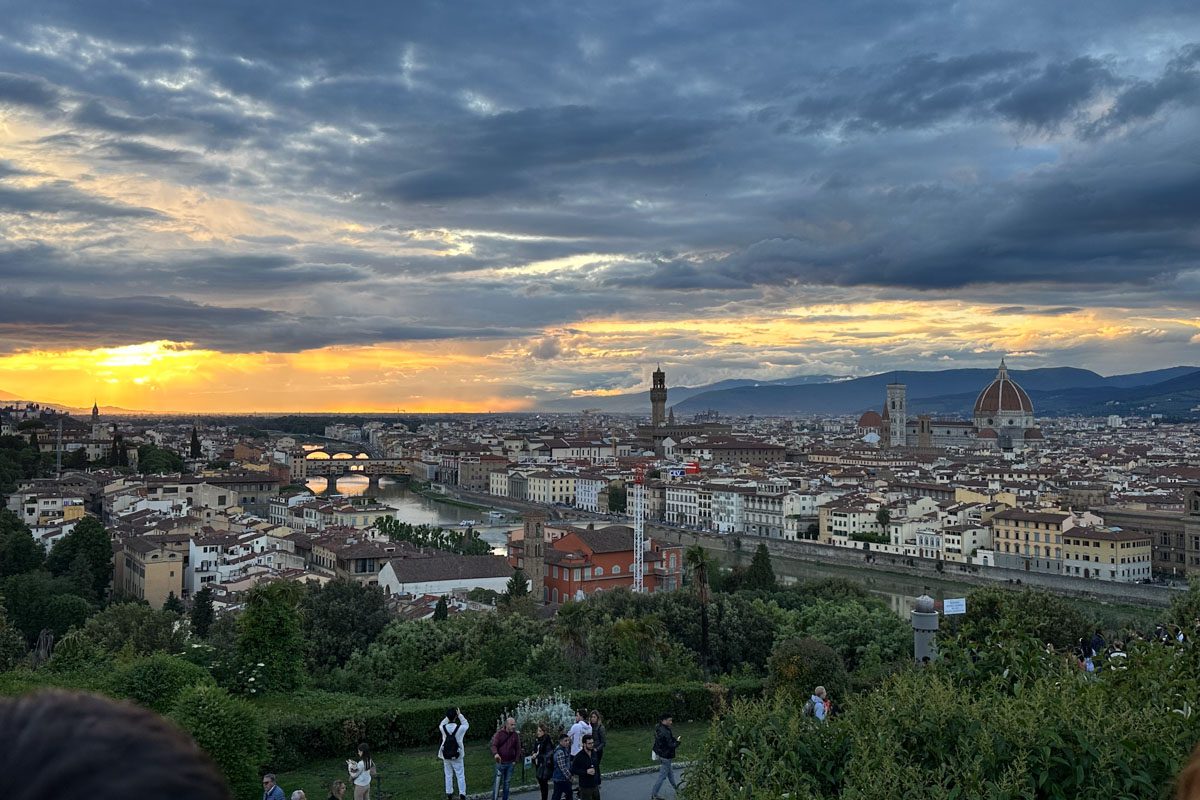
[815, 707]
[665, 745]
[454, 728]
[580, 729]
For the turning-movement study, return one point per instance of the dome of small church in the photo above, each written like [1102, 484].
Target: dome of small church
[1002, 395]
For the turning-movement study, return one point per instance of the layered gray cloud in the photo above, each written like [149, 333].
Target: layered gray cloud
[283, 176]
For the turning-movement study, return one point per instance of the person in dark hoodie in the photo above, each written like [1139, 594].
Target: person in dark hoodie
[586, 765]
[665, 744]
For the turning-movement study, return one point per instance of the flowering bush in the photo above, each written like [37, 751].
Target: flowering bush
[553, 711]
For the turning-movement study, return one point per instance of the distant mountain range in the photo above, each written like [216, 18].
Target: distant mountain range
[1054, 391]
[635, 402]
[8, 398]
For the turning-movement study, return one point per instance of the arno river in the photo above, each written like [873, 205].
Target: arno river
[900, 591]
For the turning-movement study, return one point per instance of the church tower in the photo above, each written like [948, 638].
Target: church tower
[897, 412]
[658, 399]
[534, 563]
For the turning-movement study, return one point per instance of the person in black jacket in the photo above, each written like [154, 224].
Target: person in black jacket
[543, 760]
[665, 744]
[586, 765]
[599, 735]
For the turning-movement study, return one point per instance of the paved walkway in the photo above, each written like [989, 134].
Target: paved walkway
[629, 787]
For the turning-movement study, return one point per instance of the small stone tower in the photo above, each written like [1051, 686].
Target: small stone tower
[534, 544]
[897, 414]
[658, 399]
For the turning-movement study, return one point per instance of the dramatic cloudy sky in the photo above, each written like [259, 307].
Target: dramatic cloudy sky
[302, 205]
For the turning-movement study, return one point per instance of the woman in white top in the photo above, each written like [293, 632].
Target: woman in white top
[361, 772]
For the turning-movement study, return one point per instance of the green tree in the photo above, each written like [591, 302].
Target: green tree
[270, 641]
[194, 450]
[156, 681]
[697, 560]
[618, 498]
[174, 605]
[19, 552]
[884, 517]
[90, 540]
[136, 629]
[339, 618]
[797, 666]
[760, 574]
[76, 459]
[441, 611]
[230, 731]
[202, 612]
[12, 642]
[518, 585]
[38, 600]
[154, 460]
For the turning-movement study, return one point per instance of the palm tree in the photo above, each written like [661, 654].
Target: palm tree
[697, 560]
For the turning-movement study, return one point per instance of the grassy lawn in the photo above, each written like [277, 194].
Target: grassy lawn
[418, 773]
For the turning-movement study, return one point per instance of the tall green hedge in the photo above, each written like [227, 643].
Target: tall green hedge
[319, 724]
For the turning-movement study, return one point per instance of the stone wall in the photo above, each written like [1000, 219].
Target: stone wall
[1131, 593]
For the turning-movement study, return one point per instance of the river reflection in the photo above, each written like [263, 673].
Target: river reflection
[900, 591]
[417, 509]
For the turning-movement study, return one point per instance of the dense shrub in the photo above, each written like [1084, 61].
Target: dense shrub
[1052, 731]
[136, 629]
[797, 666]
[230, 731]
[158, 680]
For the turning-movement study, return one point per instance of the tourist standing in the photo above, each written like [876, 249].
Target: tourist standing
[599, 735]
[562, 768]
[815, 707]
[453, 727]
[586, 765]
[361, 772]
[299, 795]
[580, 729]
[543, 760]
[271, 790]
[665, 744]
[506, 751]
[337, 790]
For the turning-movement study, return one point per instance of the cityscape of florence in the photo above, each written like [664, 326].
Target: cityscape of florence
[647, 401]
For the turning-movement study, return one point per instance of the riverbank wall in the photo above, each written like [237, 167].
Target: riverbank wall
[817, 553]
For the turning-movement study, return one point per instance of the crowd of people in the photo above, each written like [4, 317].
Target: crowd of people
[566, 765]
[361, 771]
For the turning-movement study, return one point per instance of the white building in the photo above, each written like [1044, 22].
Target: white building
[444, 575]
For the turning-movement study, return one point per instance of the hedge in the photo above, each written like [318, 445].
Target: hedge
[314, 725]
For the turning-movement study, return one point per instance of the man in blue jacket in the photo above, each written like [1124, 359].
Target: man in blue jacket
[271, 790]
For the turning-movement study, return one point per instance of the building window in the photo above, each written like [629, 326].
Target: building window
[616, 570]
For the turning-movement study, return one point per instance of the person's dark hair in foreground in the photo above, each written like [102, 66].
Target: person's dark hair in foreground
[66, 743]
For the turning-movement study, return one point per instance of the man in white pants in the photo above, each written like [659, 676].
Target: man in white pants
[454, 729]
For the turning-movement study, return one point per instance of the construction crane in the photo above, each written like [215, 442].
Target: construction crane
[639, 531]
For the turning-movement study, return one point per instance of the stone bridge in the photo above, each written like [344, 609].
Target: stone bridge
[325, 464]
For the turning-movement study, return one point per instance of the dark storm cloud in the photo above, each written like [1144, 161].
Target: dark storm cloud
[26, 90]
[68, 320]
[700, 158]
[1043, 312]
[60, 198]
